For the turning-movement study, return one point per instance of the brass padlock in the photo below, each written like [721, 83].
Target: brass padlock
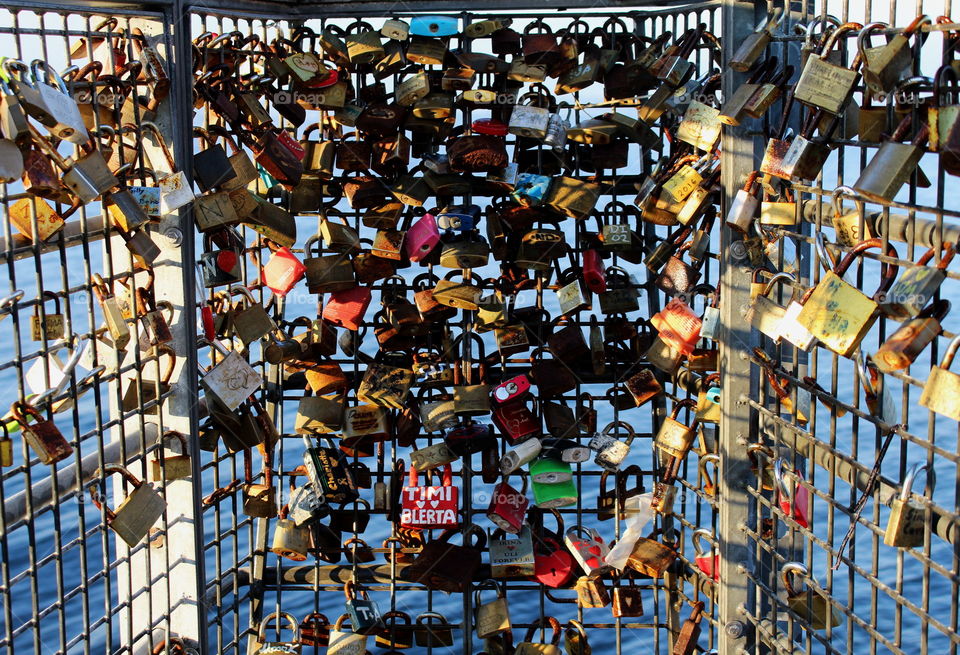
[838, 314]
[907, 524]
[259, 499]
[137, 513]
[941, 393]
[291, 647]
[167, 466]
[494, 617]
[289, 539]
[650, 557]
[823, 83]
[112, 314]
[250, 321]
[674, 438]
[50, 325]
[591, 592]
[529, 647]
[815, 614]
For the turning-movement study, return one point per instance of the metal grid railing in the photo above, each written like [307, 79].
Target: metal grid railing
[302, 589]
[66, 585]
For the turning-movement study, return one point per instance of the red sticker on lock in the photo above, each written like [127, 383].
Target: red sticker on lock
[227, 260]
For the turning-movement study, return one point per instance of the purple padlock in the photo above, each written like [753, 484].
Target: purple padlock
[422, 237]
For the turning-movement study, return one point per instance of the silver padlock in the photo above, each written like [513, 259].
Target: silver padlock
[611, 451]
[65, 122]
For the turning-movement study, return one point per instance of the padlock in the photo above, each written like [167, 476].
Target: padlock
[893, 164]
[282, 271]
[46, 441]
[823, 83]
[168, 466]
[751, 48]
[289, 539]
[816, 611]
[134, 517]
[328, 473]
[589, 550]
[591, 592]
[838, 314]
[494, 617]
[6, 446]
[389, 386]
[708, 562]
[344, 641]
[291, 647]
[345, 308]
[315, 630]
[430, 507]
[744, 207]
[432, 456]
[251, 320]
[51, 325]
[232, 380]
[433, 630]
[907, 524]
[63, 119]
[365, 617]
[396, 635]
[49, 222]
[622, 295]
[674, 438]
[523, 453]
[508, 507]
[553, 483]
[942, 385]
[611, 452]
[510, 558]
[627, 601]
[796, 503]
[902, 347]
[884, 66]
[686, 643]
[529, 647]
[367, 421]
[651, 557]
[765, 314]
[913, 290]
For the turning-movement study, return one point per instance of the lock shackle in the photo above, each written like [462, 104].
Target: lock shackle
[104, 472]
[702, 533]
[938, 309]
[166, 350]
[869, 376]
[772, 282]
[834, 38]
[709, 458]
[544, 622]
[939, 82]
[44, 297]
[289, 618]
[950, 353]
[781, 478]
[787, 571]
[175, 435]
[863, 37]
[413, 479]
[352, 589]
[68, 368]
[888, 272]
[223, 132]
[613, 425]
[689, 403]
[911, 475]
[948, 249]
[827, 259]
[489, 583]
[41, 71]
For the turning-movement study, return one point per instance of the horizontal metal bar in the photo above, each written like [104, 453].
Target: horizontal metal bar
[42, 491]
[898, 227]
[22, 247]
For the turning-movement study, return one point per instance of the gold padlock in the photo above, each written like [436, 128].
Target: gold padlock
[169, 466]
[838, 314]
[493, 617]
[941, 393]
[816, 613]
[907, 524]
[674, 438]
[137, 513]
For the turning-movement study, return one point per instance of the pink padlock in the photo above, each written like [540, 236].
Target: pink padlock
[593, 273]
[508, 507]
[282, 271]
[346, 308]
[422, 237]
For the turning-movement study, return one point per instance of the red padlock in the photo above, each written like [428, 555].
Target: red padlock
[593, 274]
[429, 507]
[282, 271]
[508, 507]
[588, 549]
[552, 564]
[515, 421]
[346, 308]
[708, 563]
[799, 509]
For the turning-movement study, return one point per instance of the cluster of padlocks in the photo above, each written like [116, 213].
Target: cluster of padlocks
[372, 131]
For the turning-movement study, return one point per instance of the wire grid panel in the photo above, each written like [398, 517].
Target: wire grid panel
[237, 551]
[66, 583]
[881, 598]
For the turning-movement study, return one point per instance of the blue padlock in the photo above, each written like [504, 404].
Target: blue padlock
[434, 26]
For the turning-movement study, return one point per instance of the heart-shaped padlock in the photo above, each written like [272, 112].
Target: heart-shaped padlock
[553, 565]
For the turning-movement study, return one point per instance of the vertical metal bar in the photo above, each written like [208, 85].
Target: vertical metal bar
[736, 507]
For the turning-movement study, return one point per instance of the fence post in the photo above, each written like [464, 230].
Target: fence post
[739, 152]
[163, 583]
